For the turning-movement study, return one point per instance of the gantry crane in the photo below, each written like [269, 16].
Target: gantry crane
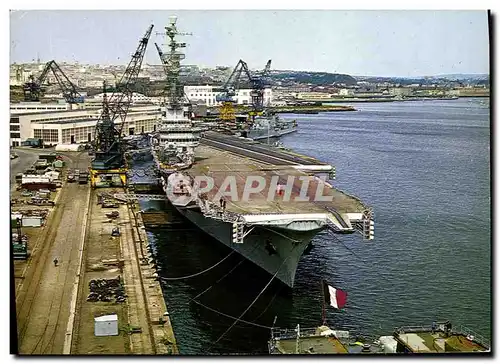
[163, 58]
[164, 62]
[257, 84]
[108, 148]
[33, 89]
[228, 91]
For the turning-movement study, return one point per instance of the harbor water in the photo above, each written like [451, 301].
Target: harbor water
[424, 167]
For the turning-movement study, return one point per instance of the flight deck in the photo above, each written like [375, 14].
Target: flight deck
[285, 191]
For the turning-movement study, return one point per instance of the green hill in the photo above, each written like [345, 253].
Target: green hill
[315, 78]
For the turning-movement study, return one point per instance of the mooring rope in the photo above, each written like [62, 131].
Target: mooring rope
[220, 279]
[196, 274]
[224, 276]
[268, 305]
[347, 248]
[251, 304]
[232, 317]
[229, 316]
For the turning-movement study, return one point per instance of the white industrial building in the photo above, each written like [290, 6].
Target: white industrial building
[208, 95]
[346, 92]
[313, 95]
[76, 126]
[136, 97]
[36, 107]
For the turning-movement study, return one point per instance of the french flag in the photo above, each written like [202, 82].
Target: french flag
[334, 296]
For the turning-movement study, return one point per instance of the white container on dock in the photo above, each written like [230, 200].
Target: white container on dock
[106, 325]
[32, 221]
[69, 147]
[33, 178]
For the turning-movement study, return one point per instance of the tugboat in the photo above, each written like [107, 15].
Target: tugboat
[441, 337]
[323, 339]
[438, 338]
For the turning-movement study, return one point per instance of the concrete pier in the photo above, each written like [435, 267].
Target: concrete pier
[53, 314]
[143, 320]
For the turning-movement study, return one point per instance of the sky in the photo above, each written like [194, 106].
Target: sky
[361, 43]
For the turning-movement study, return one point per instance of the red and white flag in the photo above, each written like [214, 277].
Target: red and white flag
[334, 296]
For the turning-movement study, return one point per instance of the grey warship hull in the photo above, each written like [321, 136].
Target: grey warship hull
[275, 250]
[262, 134]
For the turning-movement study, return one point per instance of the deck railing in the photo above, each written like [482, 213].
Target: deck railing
[474, 336]
[417, 328]
[278, 333]
[462, 330]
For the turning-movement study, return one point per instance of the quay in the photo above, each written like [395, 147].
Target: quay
[310, 109]
[295, 109]
[55, 309]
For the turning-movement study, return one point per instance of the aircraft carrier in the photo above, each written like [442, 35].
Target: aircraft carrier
[269, 228]
[211, 179]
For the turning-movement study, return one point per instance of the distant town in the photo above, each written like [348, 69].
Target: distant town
[54, 115]
[131, 185]
[284, 86]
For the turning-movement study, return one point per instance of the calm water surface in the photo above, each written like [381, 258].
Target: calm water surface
[424, 168]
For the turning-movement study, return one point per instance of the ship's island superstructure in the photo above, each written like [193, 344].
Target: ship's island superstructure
[251, 197]
[174, 142]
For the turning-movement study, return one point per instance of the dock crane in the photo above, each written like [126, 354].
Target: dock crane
[108, 148]
[34, 89]
[228, 91]
[164, 62]
[163, 58]
[257, 84]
